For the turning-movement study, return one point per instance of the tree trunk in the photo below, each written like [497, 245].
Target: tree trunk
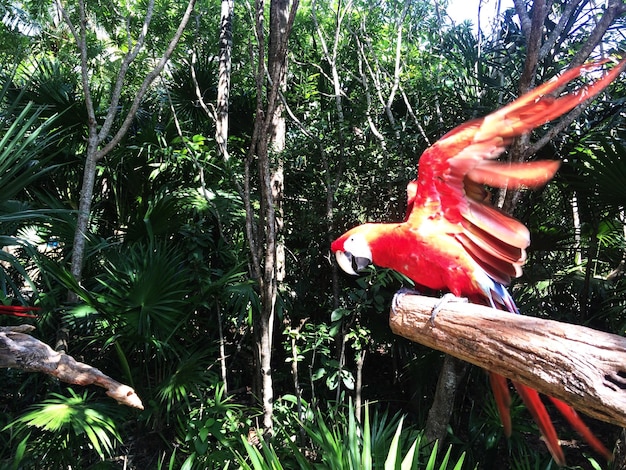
[358, 387]
[101, 132]
[263, 240]
[223, 86]
[450, 376]
[332, 183]
[278, 130]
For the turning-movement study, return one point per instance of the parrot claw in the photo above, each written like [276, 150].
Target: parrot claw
[397, 295]
[449, 297]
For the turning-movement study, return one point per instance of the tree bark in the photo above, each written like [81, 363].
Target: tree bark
[358, 386]
[19, 350]
[450, 376]
[223, 86]
[581, 366]
[262, 239]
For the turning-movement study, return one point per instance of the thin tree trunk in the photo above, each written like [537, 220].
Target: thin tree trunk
[620, 451]
[98, 134]
[358, 387]
[278, 128]
[101, 133]
[223, 86]
[330, 56]
[294, 333]
[592, 253]
[263, 241]
[222, 348]
[578, 255]
[452, 371]
[619, 270]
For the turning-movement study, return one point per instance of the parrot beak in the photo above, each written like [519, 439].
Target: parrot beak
[351, 264]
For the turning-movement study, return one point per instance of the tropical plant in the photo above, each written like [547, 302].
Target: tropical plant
[26, 149]
[50, 434]
[342, 442]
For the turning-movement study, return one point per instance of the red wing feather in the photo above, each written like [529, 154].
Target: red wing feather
[454, 169]
[500, 388]
[498, 175]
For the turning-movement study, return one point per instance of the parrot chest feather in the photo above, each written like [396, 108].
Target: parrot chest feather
[426, 257]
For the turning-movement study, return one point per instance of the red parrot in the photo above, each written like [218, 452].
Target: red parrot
[18, 311]
[453, 239]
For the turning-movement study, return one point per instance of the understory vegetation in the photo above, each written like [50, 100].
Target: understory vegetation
[167, 300]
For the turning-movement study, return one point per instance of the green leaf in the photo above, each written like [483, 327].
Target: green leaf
[393, 455]
[339, 313]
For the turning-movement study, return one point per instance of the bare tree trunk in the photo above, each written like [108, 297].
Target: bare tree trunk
[330, 56]
[222, 348]
[450, 376]
[620, 451]
[98, 134]
[294, 333]
[279, 17]
[223, 86]
[578, 255]
[263, 240]
[619, 270]
[358, 387]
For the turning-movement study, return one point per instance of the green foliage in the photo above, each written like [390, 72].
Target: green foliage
[26, 149]
[211, 431]
[342, 442]
[51, 432]
[167, 281]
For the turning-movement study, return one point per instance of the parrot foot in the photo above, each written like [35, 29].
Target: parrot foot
[397, 295]
[449, 297]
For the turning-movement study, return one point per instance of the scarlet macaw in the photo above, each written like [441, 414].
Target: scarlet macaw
[453, 239]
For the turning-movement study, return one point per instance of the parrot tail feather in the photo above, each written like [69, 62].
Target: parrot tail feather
[500, 388]
[581, 428]
[537, 409]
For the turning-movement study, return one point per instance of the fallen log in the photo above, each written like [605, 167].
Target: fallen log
[19, 350]
[581, 366]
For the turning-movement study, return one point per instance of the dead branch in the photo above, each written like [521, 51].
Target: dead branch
[19, 350]
[584, 367]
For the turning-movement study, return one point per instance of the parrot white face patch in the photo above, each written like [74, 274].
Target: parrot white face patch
[356, 254]
[345, 262]
[357, 245]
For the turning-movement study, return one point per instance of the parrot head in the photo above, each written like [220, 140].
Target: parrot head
[352, 250]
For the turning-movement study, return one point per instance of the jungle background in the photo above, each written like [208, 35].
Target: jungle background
[172, 174]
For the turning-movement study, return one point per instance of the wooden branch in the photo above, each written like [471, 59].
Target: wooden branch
[19, 350]
[584, 367]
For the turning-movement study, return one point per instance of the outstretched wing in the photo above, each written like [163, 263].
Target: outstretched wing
[454, 171]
